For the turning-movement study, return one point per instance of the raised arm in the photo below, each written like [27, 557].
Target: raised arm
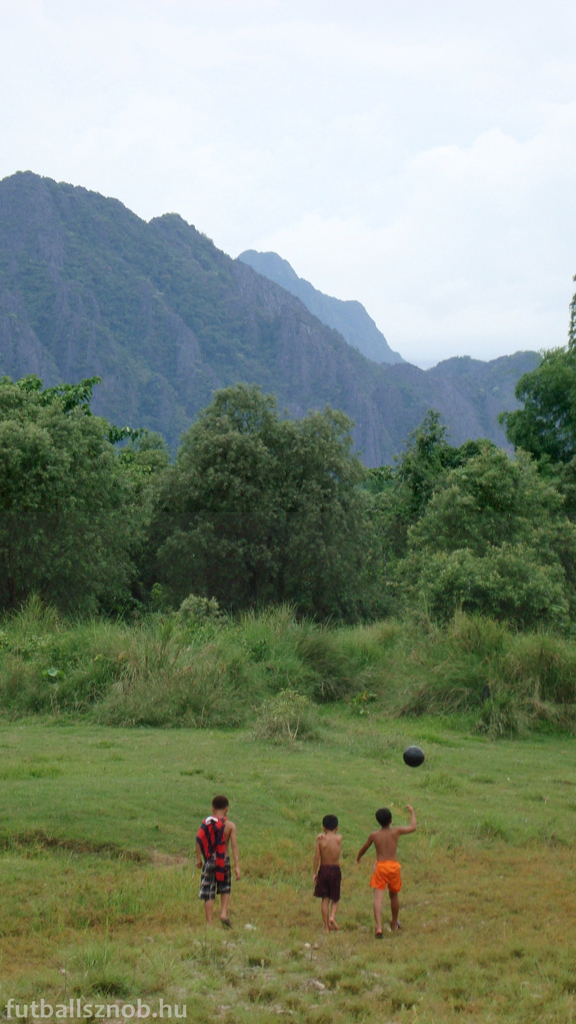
[363, 849]
[403, 830]
[235, 851]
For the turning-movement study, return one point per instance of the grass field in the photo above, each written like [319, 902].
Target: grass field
[99, 891]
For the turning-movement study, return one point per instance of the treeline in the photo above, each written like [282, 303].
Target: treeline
[258, 510]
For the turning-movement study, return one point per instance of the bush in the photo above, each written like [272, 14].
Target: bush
[152, 691]
[502, 715]
[198, 668]
[286, 717]
[543, 667]
[493, 539]
[199, 610]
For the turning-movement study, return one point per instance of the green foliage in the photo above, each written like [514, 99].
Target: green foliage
[170, 670]
[72, 396]
[494, 539]
[508, 582]
[402, 492]
[65, 526]
[72, 508]
[258, 510]
[196, 611]
[285, 718]
[546, 425]
[501, 715]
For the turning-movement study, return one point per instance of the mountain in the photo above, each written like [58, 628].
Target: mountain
[348, 317]
[164, 317]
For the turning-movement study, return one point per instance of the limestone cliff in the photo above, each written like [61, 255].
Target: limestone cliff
[164, 317]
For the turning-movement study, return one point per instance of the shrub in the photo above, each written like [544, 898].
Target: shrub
[502, 715]
[286, 717]
[198, 610]
[320, 650]
[542, 666]
[160, 685]
[198, 668]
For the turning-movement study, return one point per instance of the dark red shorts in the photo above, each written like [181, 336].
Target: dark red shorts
[328, 882]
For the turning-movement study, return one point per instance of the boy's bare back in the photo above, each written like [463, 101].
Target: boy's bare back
[385, 839]
[329, 846]
[386, 842]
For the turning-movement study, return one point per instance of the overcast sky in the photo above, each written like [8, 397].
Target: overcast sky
[417, 155]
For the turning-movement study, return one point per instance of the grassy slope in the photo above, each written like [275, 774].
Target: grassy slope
[488, 899]
[167, 670]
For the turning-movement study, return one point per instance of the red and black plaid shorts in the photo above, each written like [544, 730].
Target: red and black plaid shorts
[209, 886]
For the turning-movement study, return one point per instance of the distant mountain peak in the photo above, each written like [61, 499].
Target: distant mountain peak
[88, 288]
[349, 317]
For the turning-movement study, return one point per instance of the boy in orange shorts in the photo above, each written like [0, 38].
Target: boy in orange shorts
[386, 869]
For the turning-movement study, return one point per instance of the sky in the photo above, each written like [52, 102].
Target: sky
[419, 156]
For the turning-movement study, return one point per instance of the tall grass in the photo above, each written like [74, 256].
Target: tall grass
[205, 670]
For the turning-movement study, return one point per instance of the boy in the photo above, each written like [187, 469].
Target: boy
[386, 869]
[327, 880]
[214, 837]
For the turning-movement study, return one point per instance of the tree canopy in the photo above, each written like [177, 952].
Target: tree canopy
[494, 538]
[546, 425]
[71, 514]
[259, 509]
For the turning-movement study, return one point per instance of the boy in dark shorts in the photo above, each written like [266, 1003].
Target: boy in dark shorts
[214, 837]
[327, 880]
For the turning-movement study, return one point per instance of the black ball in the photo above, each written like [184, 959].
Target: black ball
[413, 757]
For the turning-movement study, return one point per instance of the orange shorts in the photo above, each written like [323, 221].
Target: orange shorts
[386, 873]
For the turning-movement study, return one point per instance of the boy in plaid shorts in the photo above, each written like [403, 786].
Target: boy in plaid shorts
[214, 837]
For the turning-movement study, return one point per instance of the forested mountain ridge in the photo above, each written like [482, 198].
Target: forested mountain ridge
[347, 316]
[165, 318]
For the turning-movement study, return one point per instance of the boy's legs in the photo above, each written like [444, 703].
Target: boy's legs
[378, 900]
[208, 888]
[395, 908]
[326, 913]
[332, 921]
[224, 889]
[224, 908]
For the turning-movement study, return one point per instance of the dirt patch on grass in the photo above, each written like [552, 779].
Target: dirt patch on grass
[168, 860]
[37, 839]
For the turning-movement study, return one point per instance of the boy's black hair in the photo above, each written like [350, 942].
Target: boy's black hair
[330, 821]
[383, 816]
[220, 803]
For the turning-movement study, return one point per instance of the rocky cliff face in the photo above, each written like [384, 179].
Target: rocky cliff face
[164, 317]
[348, 317]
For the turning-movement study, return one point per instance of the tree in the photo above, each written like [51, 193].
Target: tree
[71, 511]
[494, 538]
[403, 491]
[546, 426]
[258, 509]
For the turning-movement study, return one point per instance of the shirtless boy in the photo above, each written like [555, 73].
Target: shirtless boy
[386, 869]
[214, 838]
[327, 880]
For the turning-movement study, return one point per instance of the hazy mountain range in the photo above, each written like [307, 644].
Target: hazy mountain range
[348, 317]
[164, 317]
